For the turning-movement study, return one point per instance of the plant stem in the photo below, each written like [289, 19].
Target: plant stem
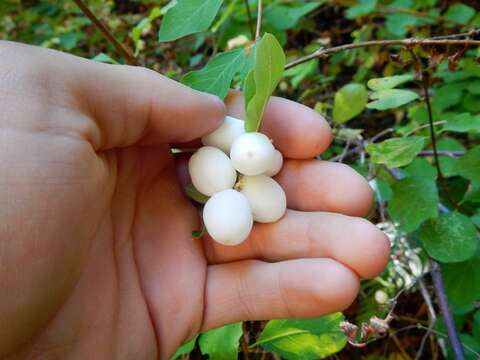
[259, 20]
[426, 82]
[250, 19]
[445, 310]
[122, 50]
[442, 298]
[323, 53]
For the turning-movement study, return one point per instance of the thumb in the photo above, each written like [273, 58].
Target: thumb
[133, 105]
[136, 105]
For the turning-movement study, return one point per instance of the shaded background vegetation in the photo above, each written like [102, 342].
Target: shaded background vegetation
[426, 213]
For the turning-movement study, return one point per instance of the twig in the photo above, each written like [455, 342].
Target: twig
[250, 19]
[400, 347]
[122, 50]
[431, 315]
[323, 53]
[450, 153]
[259, 20]
[424, 126]
[445, 309]
[433, 137]
[362, 145]
[471, 33]
[426, 83]
[438, 333]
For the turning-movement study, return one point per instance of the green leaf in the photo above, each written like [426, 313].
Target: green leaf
[396, 152]
[188, 17]
[468, 165]
[476, 219]
[449, 238]
[463, 122]
[391, 98]
[449, 164]
[389, 82]
[304, 339]
[459, 13]
[473, 193]
[221, 343]
[414, 200]
[300, 72]
[104, 58]
[449, 95]
[286, 17]
[362, 8]
[422, 168]
[216, 77]
[399, 24]
[262, 79]
[462, 280]
[474, 88]
[185, 348]
[350, 101]
[195, 195]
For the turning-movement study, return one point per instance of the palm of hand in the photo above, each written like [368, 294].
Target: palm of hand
[112, 270]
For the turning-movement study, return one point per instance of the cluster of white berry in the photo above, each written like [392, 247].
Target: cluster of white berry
[237, 200]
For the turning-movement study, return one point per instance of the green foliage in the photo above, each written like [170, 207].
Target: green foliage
[350, 101]
[391, 98]
[414, 200]
[363, 7]
[468, 165]
[221, 343]
[304, 339]
[396, 152]
[195, 195]
[462, 280]
[185, 348]
[262, 80]
[285, 17]
[188, 17]
[216, 77]
[389, 82]
[449, 238]
[459, 13]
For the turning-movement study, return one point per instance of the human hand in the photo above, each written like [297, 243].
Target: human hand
[96, 253]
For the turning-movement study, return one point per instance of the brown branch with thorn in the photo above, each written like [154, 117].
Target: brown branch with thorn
[324, 53]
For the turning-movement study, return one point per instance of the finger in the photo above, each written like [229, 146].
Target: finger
[297, 131]
[314, 185]
[128, 104]
[255, 290]
[354, 242]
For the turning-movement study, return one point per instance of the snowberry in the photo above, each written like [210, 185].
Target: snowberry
[224, 136]
[265, 196]
[276, 164]
[381, 297]
[227, 217]
[252, 153]
[211, 171]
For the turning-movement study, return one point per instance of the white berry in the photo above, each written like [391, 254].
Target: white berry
[227, 217]
[265, 196]
[381, 297]
[252, 153]
[211, 171]
[225, 135]
[276, 164]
